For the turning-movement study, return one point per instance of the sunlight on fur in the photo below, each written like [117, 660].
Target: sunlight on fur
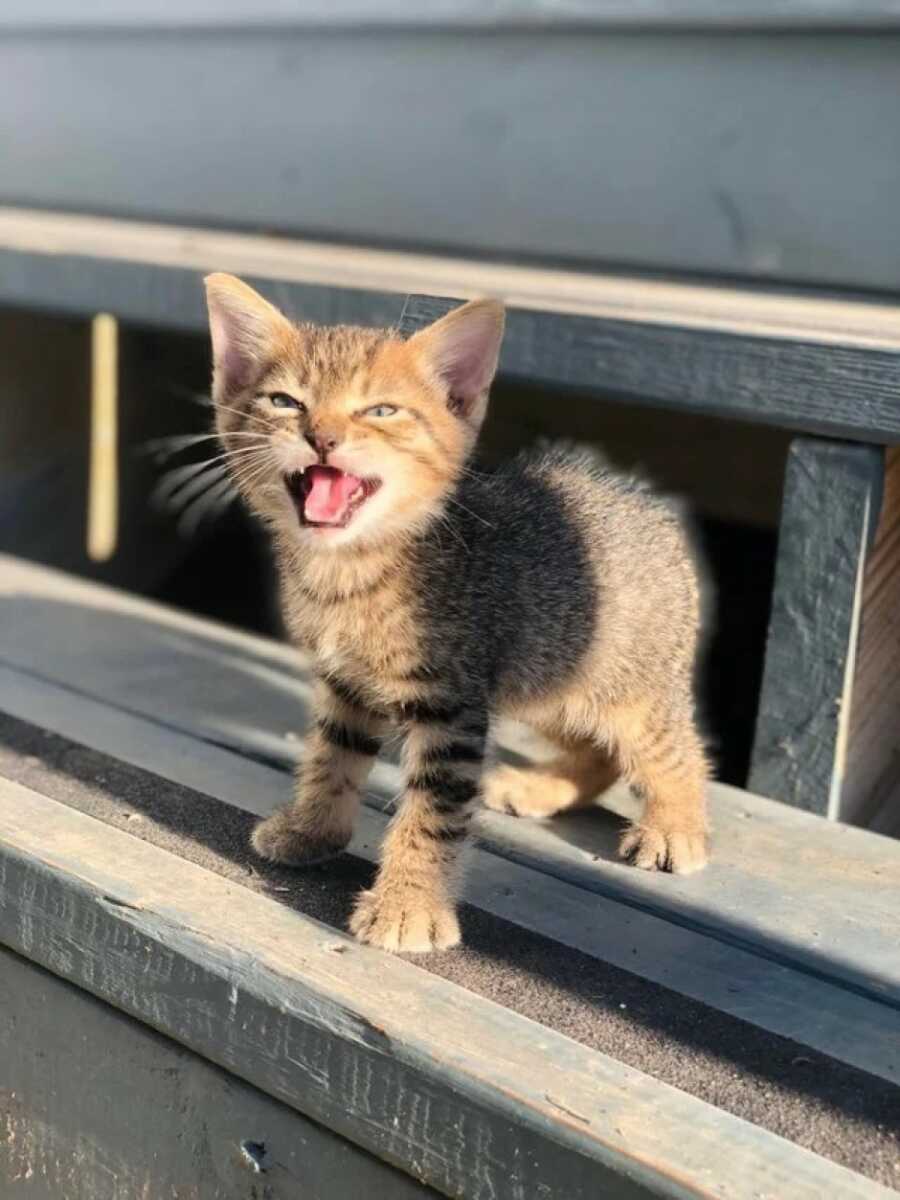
[434, 598]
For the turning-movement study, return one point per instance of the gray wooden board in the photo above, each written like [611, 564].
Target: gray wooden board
[674, 157]
[68, 1108]
[831, 389]
[829, 513]
[468, 1097]
[545, 15]
[571, 889]
[252, 695]
[784, 1086]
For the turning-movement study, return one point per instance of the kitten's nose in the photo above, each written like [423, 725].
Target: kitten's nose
[322, 443]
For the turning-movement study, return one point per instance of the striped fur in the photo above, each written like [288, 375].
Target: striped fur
[552, 590]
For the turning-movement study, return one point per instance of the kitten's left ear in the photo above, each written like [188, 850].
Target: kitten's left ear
[462, 350]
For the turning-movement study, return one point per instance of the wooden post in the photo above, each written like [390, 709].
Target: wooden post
[830, 508]
[103, 485]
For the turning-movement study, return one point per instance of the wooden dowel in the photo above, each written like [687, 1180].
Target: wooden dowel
[103, 483]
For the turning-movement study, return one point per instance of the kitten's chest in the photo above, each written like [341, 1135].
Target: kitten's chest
[369, 640]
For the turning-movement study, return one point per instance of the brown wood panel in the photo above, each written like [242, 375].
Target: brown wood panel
[871, 790]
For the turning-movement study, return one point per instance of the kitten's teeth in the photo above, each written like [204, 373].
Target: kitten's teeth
[355, 495]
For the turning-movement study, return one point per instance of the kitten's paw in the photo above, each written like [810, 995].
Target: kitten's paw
[405, 922]
[282, 839]
[651, 849]
[522, 792]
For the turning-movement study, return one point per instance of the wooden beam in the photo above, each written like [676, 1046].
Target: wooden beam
[459, 15]
[469, 1098]
[202, 1133]
[747, 356]
[805, 315]
[830, 508]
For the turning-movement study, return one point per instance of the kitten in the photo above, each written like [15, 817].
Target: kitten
[433, 598]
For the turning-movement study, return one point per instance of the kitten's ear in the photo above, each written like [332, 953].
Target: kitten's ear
[462, 350]
[245, 329]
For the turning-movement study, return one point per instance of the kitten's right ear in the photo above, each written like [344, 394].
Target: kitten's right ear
[246, 330]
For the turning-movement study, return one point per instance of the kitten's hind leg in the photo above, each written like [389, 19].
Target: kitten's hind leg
[664, 759]
[337, 756]
[571, 780]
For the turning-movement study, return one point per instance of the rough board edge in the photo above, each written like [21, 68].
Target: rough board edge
[459, 1092]
[849, 1028]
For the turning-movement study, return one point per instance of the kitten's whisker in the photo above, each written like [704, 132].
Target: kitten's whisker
[208, 479]
[192, 517]
[240, 412]
[168, 447]
[172, 480]
[256, 471]
[459, 504]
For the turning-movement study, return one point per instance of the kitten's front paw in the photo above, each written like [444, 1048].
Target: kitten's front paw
[406, 922]
[651, 849]
[282, 838]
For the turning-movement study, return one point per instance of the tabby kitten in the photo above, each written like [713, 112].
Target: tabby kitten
[433, 598]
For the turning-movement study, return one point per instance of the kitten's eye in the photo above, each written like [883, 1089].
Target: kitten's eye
[380, 410]
[283, 400]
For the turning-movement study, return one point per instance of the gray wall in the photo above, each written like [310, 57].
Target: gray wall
[769, 155]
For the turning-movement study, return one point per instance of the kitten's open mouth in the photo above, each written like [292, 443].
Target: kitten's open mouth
[326, 497]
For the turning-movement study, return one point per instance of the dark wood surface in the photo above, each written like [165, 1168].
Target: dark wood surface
[825, 389]
[831, 389]
[95, 1105]
[830, 509]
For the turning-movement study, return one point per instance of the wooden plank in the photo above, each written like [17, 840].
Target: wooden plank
[871, 789]
[696, 368]
[751, 311]
[831, 499]
[248, 694]
[67, 15]
[471, 1099]
[672, 184]
[848, 1027]
[203, 1133]
[760, 379]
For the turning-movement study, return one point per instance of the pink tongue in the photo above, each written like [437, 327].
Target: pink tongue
[329, 494]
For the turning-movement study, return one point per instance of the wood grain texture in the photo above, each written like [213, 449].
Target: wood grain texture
[871, 787]
[772, 380]
[778, 997]
[68, 1110]
[783, 884]
[753, 311]
[469, 1098]
[781, 383]
[831, 498]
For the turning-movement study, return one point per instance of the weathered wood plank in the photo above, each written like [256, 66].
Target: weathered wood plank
[202, 1133]
[671, 184]
[804, 316]
[512, 15]
[831, 498]
[767, 379]
[471, 1099]
[792, 887]
[782, 383]
[848, 1027]
[870, 794]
